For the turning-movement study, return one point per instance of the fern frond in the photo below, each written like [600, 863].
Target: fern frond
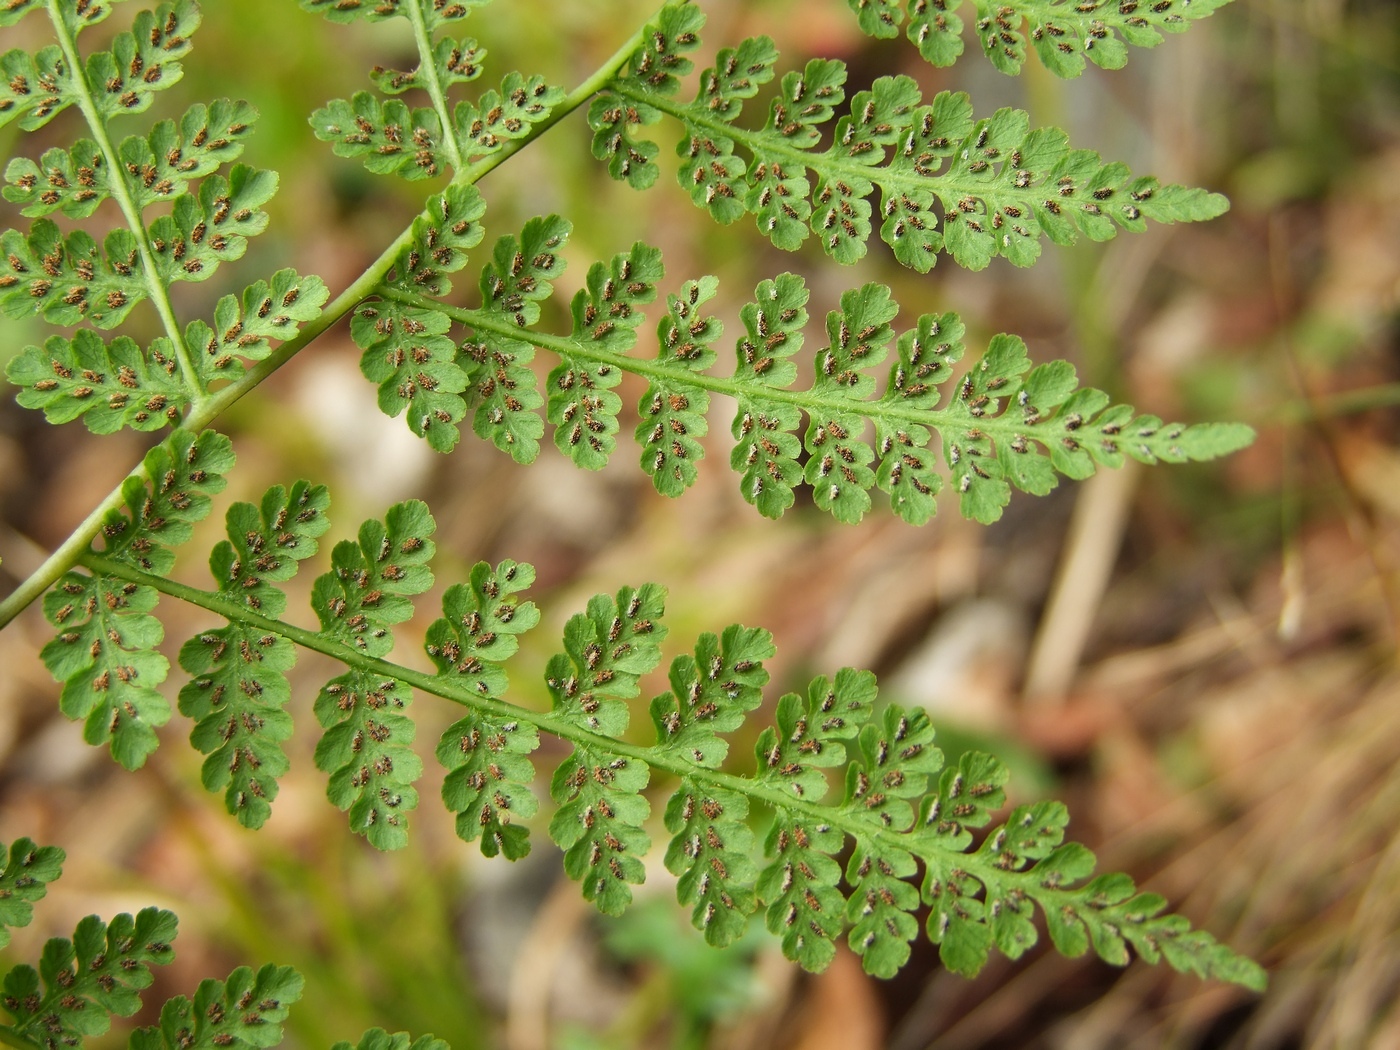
[144, 60]
[201, 232]
[239, 690]
[161, 165]
[896, 812]
[81, 984]
[246, 1010]
[139, 63]
[998, 185]
[671, 414]
[392, 139]
[1006, 424]
[1063, 32]
[23, 880]
[32, 86]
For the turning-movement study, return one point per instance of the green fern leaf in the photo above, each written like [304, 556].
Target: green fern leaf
[767, 451]
[107, 386]
[406, 350]
[391, 138]
[82, 983]
[581, 404]
[246, 1010]
[448, 228]
[711, 856]
[805, 906]
[163, 164]
[607, 649]
[408, 353]
[11, 13]
[160, 513]
[520, 276]
[489, 775]
[25, 879]
[498, 117]
[1064, 33]
[239, 687]
[143, 61]
[34, 88]
[105, 649]
[367, 745]
[657, 66]
[378, 1039]
[160, 166]
[245, 326]
[998, 185]
[1007, 425]
[72, 180]
[712, 845]
[69, 280]
[711, 693]
[201, 232]
[896, 761]
[599, 820]
[455, 62]
[671, 413]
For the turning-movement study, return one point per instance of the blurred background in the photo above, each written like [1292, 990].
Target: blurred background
[1213, 692]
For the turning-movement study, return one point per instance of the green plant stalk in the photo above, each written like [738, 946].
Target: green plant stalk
[10, 1037]
[433, 86]
[159, 297]
[809, 401]
[655, 758]
[211, 406]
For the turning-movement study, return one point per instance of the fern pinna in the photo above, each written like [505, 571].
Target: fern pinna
[897, 840]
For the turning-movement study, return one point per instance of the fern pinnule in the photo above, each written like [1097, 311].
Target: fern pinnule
[247, 1009]
[485, 754]
[105, 652]
[82, 983]
[28, 869]
[367, 746]
[239, 689]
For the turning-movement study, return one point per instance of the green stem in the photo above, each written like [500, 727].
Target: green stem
[159, 298]
[427, 66]
[10, 1037]
[210, 407]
